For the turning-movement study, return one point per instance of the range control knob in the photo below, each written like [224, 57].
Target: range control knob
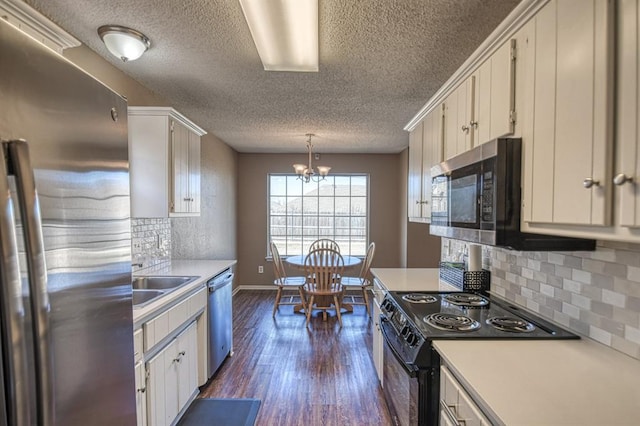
[389, 307]
[405, 331]
[412, 339]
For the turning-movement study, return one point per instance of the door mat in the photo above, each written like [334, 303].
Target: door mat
[221, 412]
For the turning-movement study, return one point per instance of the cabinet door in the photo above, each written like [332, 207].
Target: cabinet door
[482, 108]
[572, 138]
[180, 171]
[431, 155]
[502, 89]
[187, 364]
[141, 395]
[194, 173]
[163, 386]
[458, 114]
[377, 348]
[415, 172]
[628, 113]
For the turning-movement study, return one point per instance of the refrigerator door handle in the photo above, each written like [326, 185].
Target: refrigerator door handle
[20, 164]
[12, 309]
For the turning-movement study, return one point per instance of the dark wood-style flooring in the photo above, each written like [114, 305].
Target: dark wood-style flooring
[323, 375]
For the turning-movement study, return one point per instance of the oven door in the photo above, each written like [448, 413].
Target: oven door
[401, 385]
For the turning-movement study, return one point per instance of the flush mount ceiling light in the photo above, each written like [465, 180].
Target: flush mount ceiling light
[285, 33]
[305, 172]
[123, 42]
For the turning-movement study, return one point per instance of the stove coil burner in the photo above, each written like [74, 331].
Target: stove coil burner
[467, 300]
[451, 322]
[419, 298]
[510, 324]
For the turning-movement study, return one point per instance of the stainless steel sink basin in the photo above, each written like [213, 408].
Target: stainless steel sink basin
[142, 297]
[160, 282]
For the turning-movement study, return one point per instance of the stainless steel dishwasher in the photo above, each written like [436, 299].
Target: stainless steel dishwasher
[220, 319]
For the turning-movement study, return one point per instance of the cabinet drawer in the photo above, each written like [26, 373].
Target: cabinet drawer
[458, 403]
[138, 344]
[164, 324]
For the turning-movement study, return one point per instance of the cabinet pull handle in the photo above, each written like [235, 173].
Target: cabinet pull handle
[465, 128]
[181, 353]
[142, 390]
[621, 179]
[589, 182]
[473, 124]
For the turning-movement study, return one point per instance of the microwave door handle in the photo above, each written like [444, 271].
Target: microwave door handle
[36, 266]
[16, 364]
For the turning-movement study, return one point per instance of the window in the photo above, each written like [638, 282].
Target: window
[335, 208]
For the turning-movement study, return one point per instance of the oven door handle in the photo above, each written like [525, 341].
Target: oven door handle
[411, 370]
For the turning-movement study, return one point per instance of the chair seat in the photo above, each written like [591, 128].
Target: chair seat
[291, 281]
[354, 281]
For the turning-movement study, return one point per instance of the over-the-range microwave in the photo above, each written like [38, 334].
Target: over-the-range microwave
[476, 197]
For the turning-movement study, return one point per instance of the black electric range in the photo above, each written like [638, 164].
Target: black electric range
[410, 321]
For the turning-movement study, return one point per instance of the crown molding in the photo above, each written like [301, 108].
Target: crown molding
[518, 17]
[30, 21]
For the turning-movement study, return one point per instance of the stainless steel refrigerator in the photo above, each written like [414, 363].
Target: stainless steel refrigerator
[65, 272]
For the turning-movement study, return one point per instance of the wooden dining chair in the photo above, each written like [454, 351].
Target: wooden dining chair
[285, 283]
[363, 281]
[324, 243]
[323, 290]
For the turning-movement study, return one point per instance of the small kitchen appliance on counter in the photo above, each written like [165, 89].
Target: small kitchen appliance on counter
[410, 321]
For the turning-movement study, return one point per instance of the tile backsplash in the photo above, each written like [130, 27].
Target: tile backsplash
[150, 242]
[595, 294]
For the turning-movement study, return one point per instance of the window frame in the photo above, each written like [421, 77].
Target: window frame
[367, 217]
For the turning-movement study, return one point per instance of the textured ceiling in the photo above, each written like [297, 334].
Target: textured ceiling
[380, 61]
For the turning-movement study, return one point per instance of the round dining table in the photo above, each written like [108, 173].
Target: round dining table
[298, 261]
[350, 265]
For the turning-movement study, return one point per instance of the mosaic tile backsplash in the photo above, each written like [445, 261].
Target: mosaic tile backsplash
[595, 294]
[150, 242]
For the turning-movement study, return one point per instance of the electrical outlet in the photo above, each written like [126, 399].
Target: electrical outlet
[260, 269]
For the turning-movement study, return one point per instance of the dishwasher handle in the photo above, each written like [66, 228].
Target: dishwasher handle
[219, 282]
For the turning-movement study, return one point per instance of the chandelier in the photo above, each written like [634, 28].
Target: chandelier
[306, 173]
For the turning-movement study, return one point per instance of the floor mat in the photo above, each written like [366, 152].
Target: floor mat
[221, 412]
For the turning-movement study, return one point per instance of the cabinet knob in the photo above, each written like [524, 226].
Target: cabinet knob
[465, 128]
[621, 179]
[589, 182]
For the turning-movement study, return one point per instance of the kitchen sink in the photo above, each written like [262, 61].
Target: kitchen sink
[160, 282]
[142, 297]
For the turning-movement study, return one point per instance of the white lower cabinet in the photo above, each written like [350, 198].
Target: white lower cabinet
[378, 343]
[173, 378]
[141, 394]
[456, 406]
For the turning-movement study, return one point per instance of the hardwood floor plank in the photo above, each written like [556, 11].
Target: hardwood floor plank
[321, 375]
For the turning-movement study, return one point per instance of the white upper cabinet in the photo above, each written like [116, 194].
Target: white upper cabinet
[494, 96]
[414, 207]
[164, 155]
[571, 130]
[482, 108]
[458, 113]
[626, 175]
[425, 150]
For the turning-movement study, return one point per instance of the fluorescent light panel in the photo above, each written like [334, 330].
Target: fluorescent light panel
[285, 33]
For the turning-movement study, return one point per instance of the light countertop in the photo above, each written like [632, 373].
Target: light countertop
[412, 279]
[203, 269]
[547, 382]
